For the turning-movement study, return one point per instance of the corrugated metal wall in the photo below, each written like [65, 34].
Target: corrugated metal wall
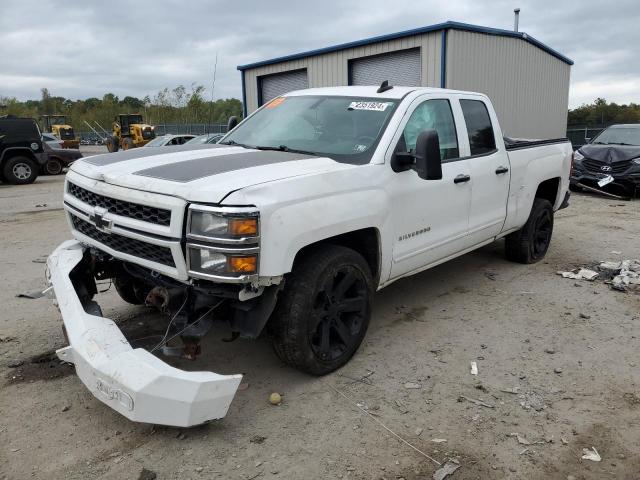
[331, 69]
[529, 88]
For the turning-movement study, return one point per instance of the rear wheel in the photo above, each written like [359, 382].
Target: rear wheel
[531, 242]
[53, 166]
[324, 310]
[20, 170]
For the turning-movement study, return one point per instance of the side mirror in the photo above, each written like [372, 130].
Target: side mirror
[425, 160]
[231, 124]
[428, 165]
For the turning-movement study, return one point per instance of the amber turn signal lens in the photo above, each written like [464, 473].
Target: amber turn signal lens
[243, 226]
[243, 264]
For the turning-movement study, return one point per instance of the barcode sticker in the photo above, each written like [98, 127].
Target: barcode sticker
[373, 106]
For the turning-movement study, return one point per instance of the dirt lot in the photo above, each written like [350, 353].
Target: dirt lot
[569, 348]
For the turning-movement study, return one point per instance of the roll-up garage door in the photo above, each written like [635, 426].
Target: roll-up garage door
[277, 84]
[400, 68]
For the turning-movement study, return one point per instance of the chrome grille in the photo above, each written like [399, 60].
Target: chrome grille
[595, 166]
[123, 208]
[129, 246]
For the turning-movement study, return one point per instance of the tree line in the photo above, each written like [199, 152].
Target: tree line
[169, 106]
[602, 113]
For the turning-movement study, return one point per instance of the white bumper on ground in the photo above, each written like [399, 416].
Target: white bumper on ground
[131, 381]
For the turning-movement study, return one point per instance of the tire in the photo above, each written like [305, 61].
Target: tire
[129, 291]
[531, 242]
[20, 170]
[127, 143]
[112, 144]
[323, 312]
[53, 167]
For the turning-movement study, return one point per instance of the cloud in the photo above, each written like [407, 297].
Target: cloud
[79, 49]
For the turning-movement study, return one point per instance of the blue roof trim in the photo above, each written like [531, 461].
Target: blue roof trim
[416, 31]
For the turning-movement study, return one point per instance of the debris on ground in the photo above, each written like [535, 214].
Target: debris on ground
[7, 339]
[591, 454]
[581, 274]
[438, 440]
[521, 439]
[474, 368]
[446, 470]
[412, 386]
[15, 363]
[557, 370]
[257, 439]
[419, 431]
[402, 408]
[243, 386]
[532, 400]
[147, 475]
[275, 398]
[475, 401]
[65, 408]
[513, 390]
[31, 295]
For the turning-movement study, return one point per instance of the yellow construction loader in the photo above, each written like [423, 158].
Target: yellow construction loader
[129, 131]
[58, 126]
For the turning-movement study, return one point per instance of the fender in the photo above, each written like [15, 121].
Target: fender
[25, 150]
[298, 212]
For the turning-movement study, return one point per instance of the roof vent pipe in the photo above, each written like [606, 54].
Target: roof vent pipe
[516, 13]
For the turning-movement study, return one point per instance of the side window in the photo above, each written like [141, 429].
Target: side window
[435, 115]
[476, 116]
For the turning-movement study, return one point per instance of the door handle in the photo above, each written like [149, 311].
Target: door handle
[462, 178]
[500, 170]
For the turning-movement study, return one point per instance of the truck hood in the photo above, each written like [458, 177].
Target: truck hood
[199, 173]
[610, 153]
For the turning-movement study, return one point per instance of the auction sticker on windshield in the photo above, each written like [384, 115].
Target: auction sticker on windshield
[374, 106]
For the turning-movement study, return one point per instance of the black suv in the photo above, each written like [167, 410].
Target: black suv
[21, 152]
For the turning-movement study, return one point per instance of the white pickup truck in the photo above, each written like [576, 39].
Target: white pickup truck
[289, 225]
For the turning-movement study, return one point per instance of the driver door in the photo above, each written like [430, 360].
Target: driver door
[430, 217]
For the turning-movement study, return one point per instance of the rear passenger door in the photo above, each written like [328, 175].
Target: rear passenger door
[490, 171]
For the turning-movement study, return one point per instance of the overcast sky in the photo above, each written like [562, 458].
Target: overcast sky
[79, 48]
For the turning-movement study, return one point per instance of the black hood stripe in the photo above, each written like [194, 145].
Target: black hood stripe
[190, 170]
[135, 153]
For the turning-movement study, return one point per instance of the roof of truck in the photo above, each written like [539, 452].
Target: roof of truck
[372, 91]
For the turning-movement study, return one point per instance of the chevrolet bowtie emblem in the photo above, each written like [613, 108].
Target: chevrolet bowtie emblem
[97, 218]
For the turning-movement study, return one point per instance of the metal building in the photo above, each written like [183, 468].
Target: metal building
[527, 81]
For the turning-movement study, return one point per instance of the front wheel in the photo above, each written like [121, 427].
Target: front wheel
[20, 170]
[323, 312]
[531, 242]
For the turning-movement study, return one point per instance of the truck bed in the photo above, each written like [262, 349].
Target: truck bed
[518, 143]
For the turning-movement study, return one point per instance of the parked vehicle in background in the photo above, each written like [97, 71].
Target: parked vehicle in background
[21, 150]
[204, 139]
[51, 140]
[57, 159]
[129, 131]
[170, 140]
[611, 158]
[290, 223]
[59, 127]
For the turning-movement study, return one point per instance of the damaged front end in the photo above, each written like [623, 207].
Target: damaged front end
[131, 380]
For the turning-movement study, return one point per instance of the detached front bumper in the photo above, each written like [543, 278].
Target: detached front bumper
[628, 181]
[132, 381]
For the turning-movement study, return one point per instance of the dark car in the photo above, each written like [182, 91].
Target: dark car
[615, 152]
[21, 150]
[58, 159]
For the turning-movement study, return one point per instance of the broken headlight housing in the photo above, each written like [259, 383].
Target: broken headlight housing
[223, 243]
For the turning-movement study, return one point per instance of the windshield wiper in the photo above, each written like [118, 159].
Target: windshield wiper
[600, 143]
[284, 148]
[235, 144]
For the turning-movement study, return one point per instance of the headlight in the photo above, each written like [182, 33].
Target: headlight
[636, 161]
[207, 262]
[225, 225]
[577, 156]
[223, 242]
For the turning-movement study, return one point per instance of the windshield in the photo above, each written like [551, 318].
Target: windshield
[618, 136]
[346, 129]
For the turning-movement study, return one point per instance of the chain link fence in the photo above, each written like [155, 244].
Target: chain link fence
[579, 136]
[167, 128]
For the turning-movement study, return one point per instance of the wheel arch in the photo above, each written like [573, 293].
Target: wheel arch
[16, 152]
[365, 241]
[549, 190]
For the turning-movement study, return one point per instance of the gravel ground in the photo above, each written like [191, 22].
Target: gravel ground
[569, 349]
